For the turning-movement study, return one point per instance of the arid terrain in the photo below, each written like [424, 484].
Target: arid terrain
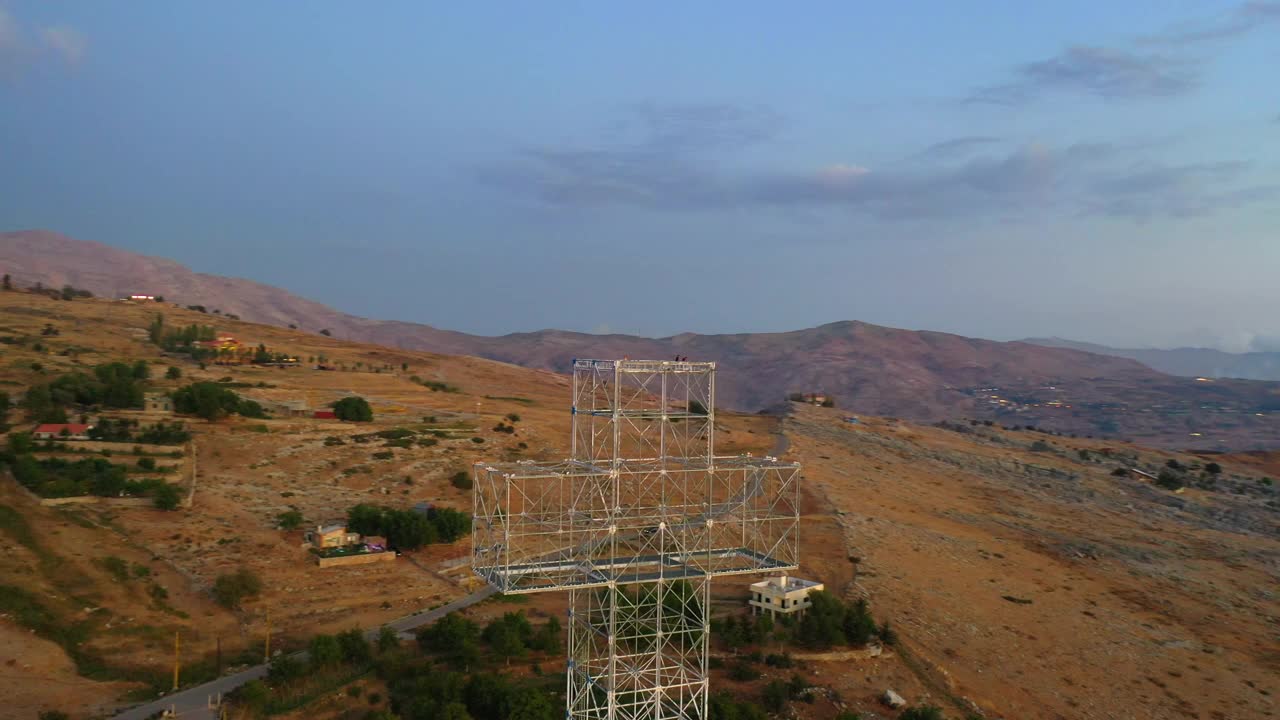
[915, 375]
[1025, 578]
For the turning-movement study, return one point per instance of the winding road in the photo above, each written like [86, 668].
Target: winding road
[192, 703]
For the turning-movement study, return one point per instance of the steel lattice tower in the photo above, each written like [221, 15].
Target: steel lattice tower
[635, 524]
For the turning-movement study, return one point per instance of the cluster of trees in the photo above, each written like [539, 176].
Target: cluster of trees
[112, 385]
[458, 639]
[212, 401]
[420, 693]
[67, 292]
[263, 356]
[56, 477]
[407, 529]
[59, 477]
[353, 409]
[830, 621]
[181, 339]
[1175, 475]
[736, 631]
[126, 430]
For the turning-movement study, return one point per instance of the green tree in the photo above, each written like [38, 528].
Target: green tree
[165, 496]
[289, 520]
[509, 635]
[530, 703]
[353, 409]
[355, 649]
[775, 696]
[173, 373]
[324, 651]
[452, 636]
[857, 624]
[387, 639]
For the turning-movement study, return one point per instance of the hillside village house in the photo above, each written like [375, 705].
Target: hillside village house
[332, 536]
[158, 403]
[61, 431]
[782, 594]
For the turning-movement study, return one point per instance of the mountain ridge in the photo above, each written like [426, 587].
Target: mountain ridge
[927, 376]
[1185, 361]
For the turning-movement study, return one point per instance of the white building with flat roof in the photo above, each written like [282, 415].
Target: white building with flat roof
[783, 594]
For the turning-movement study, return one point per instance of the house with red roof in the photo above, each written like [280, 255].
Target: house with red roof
[61, 431]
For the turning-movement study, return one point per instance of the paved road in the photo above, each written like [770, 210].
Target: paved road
[191, 704]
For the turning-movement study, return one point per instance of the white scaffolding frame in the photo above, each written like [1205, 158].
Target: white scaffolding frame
[634, 525]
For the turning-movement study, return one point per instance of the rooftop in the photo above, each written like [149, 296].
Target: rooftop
[71, 428]
[785, 582]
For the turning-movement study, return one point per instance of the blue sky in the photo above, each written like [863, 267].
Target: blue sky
[1102, 171]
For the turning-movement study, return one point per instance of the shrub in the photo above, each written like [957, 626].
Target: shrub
[232, 589]
[324, 651]
[461, 480]
[383, 455]
[922, 712]
[513, 417]
[146, 463]
[353, 409]
[118, 568]
[888, 635]
[165, 496]
[1213, 468]
[1169, 480]
[743, 672]
[289, 520]
[477, 439]
[1120, 472]
[775, 696]
[1041, 446]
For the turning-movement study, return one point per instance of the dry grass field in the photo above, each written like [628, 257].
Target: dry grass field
[1024, 578]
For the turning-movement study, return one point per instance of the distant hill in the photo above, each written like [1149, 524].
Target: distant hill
[922, 376]
[1189, 362]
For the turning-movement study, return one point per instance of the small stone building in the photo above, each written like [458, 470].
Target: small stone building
[332, 536]
[158, 403]
[781, 595]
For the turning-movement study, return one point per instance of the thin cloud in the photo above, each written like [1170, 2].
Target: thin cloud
[1241, 20]
[682, 166]
[957, 146]
[1177, 191]
[68, 43]
[1106, 73]
[20, 48]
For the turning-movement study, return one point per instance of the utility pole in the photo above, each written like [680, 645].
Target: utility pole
[176, 647]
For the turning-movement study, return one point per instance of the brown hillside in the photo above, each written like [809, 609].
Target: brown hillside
[1128, 600]
[922, 376]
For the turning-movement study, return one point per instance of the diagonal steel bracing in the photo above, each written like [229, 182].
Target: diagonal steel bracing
[634, 525]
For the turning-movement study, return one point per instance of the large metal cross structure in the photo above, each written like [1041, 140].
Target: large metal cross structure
[634, 525]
